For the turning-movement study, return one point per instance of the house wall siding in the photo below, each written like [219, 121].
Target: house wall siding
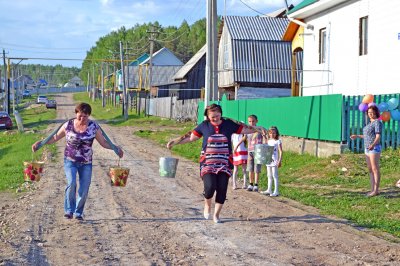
[225, 75]
[345, 71]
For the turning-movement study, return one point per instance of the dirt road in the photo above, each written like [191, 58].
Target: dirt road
[158, 221]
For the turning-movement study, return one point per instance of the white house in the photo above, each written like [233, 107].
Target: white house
[351, 47]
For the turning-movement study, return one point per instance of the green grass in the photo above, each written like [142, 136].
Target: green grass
[335, 185]
[323, 182]
[113, 115]
[15, 147]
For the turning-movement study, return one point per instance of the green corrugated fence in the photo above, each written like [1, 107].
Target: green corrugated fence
[311, 117]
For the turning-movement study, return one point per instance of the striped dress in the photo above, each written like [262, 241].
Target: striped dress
[216, 153]
[240, 156]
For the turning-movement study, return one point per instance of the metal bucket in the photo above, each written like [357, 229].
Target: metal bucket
[263, 153]
[33, 170]
[168, 166]
[119, 176]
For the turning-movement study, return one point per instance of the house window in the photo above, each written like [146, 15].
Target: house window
[363, 41]
[322, 45]
[226, 53]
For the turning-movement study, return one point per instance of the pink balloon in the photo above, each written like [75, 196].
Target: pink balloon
[371, 104]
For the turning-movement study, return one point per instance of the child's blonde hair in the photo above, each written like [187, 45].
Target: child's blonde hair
[273, 128]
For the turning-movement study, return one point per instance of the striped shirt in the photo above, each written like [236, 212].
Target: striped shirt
[216, 153]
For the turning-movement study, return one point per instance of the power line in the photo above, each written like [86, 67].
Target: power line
[255, 10]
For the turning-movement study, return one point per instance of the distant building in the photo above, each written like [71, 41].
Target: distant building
[74, 82]
[164, 66]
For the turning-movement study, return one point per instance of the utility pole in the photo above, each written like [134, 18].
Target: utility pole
[5, 78]
[103, 104]
[93, 85]
[124, 105]
[8, 86]
[214, 56]
[151, 39]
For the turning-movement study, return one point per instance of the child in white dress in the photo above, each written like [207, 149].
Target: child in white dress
[272, 168]
[239, 158]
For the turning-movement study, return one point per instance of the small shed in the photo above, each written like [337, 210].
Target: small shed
[251, 54]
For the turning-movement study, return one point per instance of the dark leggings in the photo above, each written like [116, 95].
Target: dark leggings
[216, 182]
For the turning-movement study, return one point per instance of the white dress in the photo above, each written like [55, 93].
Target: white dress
[275, 155]
[240, 156]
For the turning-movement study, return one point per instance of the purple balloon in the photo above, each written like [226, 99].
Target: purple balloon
[371, 104]
[363, 107]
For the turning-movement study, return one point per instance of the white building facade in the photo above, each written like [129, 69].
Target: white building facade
[353, 48]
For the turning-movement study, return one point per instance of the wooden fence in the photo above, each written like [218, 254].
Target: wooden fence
[171, 108]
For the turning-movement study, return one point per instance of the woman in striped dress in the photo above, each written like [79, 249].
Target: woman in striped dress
[216, 154]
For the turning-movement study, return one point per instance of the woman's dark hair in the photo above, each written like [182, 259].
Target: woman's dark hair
[212, 108]
[83, 108]
[375, 109]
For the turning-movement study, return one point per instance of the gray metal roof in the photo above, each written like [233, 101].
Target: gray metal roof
[161, 75]
[256, 28]
[190, 64]
[262, 61]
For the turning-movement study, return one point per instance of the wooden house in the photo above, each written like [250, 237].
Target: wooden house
[253, 61]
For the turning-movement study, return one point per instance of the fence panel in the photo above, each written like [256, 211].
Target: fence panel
[312, 117]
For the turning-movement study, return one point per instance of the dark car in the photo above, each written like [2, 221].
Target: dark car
[5, 121]
[26, 94]
[51, 104]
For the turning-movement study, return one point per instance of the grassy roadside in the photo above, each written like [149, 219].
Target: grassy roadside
[336, 185]
[15, 147]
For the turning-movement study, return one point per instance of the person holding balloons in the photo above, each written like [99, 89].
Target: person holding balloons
[372, 136]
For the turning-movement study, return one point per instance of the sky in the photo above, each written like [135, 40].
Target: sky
[67, 29]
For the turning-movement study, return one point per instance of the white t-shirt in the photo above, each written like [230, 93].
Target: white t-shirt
[275, 155]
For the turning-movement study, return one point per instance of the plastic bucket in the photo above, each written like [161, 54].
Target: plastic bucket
[119, 176]
[263, 153]
[33, 170]
[168, 166]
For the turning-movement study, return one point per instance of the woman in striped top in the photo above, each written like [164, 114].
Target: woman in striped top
[216, 154]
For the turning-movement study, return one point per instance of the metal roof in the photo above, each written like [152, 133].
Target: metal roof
[139, 60]
[262, 61]
[163, 57]
[161, 75]
[256, 28]
[190, 64]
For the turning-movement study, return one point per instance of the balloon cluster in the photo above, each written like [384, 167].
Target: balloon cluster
[388, 109]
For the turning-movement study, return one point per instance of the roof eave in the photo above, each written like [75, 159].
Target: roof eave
[315, 8]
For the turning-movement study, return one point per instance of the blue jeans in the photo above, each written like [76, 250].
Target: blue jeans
[73, 205]
[377, 149]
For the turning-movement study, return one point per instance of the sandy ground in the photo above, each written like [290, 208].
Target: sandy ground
[158, 221]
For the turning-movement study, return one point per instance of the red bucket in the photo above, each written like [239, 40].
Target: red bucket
[33, 170]
[119, 176]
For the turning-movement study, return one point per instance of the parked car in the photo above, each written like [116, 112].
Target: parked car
[5, 120]
[51, 104]
[26, 94]
[41, 99]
